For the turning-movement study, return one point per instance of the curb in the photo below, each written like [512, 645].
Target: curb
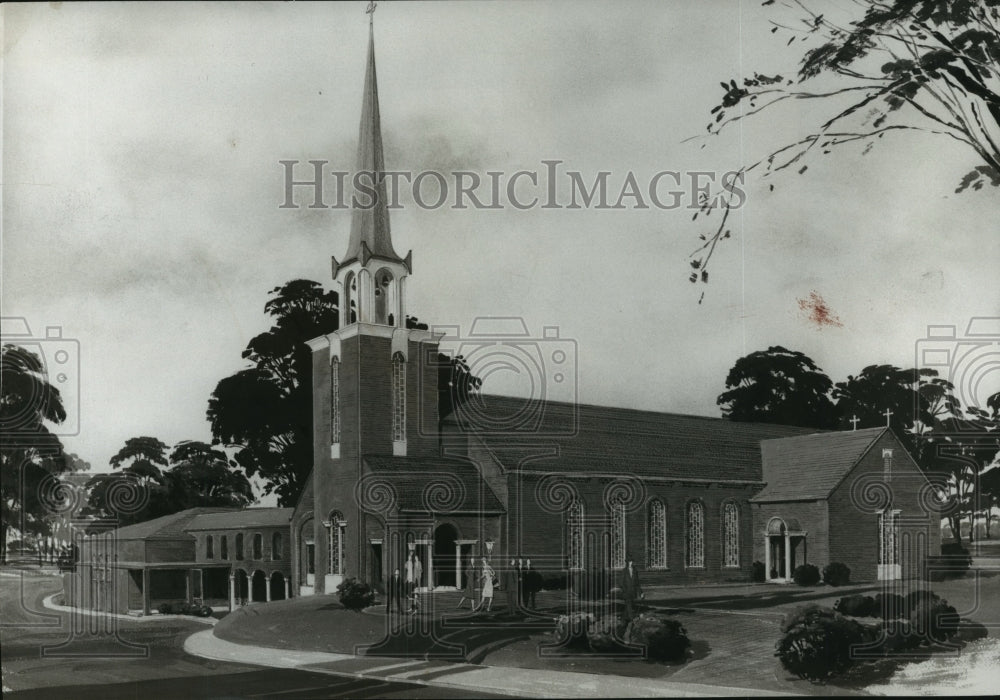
[501, 680]
[48, 603]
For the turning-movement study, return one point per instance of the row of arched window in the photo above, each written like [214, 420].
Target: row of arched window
[398, 399]
[257, 547]
[657, 535]
[384, 293]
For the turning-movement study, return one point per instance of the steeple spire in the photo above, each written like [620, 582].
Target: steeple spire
[370, 234]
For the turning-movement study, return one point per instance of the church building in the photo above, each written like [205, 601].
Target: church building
[691, 499]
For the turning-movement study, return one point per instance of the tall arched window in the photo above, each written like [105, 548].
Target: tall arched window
[398, 398]
[276, 546]
[657, 534]
[335, 530]
[618, 535]
[258, 546]
[383, 296]
[335, 401]
[210, 547]
[730, 535]
[239, 546]
[574, 535]
[224, 547]
[695, 535]
[351, 298]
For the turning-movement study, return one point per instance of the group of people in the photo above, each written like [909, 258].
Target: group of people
[404, 585]
[519, 581]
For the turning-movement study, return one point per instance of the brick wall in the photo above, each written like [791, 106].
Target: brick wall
[812, 517]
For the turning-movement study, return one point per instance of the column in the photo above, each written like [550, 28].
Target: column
[267, 590]
[767, 557]
[288, 592]
[788, 556]
[458, 566]
[232, 591]
[430, 567]
[145, 590]
[187, 586]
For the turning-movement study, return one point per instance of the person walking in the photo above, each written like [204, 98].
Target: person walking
[631, 589]
[394, 592]
[470, 585]
[487, 596]
[414, 571]
[510, 584]
[532, 584]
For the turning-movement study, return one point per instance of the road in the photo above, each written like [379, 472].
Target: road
[42, 658]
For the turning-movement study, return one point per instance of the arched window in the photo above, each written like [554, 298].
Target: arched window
[276, 546]
[335, 530]
[239, 546]
[224, 547]
[258, 546]
[730, 535]
[351, 298]
[695, 535]
[574, 535]
[335, 401]
[210, 547]
[383, 296]
[618, 535]
[657, 534]
[398, 398]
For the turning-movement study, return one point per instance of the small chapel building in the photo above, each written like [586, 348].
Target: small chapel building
[691, 499]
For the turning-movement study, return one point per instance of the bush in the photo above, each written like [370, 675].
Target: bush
[953, 562]
[916, 597]
[890, 606]
[184, 608]
[757, 572]
[855, 605]
[836, 574]
[817, 643]
[165, 609]
[605, 634]
[355, 595]
[806, 575]
[665, 639]
[571, 630]
[934, 620]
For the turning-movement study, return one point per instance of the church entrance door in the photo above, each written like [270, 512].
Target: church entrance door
[445, 573]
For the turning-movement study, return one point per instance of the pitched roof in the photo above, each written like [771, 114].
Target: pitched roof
[602, 439]
[809, 467]
[431, 484]
[251, 517]
[171, 526]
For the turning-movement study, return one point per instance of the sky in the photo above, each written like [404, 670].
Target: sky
[142, 190]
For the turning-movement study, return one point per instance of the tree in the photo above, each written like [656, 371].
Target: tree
[456, 382]
[929, 66]
[202, 475]
[265, 411]
[778, 386]
[30, 453]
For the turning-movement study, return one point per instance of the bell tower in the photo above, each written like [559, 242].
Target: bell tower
[372, 275]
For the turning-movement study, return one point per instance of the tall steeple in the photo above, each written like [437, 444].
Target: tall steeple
[372, 274]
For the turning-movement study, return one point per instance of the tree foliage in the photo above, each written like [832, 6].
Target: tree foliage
[928, 66]
[30, 453]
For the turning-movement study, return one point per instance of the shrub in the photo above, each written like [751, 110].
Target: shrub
[571, 630]
[817, 643]
[354, 594]
[890, 606]
[934, 620]
[855, 605]
[757, 572]
[836, 574]
[806, 575]
[953, 562]
[165, 609]
[605, 634]
[184, 608]
[665, 639]
[915, 597]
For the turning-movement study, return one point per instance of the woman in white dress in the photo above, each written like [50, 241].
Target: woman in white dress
[487, 579]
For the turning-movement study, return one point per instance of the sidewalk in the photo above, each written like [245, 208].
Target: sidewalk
[460, 676]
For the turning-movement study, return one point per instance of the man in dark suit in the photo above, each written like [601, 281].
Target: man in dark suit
[631, 589]
[510, 585]
[394, 592]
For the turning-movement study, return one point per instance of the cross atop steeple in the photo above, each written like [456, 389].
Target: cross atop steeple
[888, 415]
[370, 11]
[854, 422]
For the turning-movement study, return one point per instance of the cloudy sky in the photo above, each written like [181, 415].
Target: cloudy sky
[141, 193]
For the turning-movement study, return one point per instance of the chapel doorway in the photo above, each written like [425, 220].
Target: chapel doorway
[784, 549]
[445, 571]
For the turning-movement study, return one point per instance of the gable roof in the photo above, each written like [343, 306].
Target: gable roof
[171, 526]
[237, 520]
[435, 484]
[809, 467]
[602, 439]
